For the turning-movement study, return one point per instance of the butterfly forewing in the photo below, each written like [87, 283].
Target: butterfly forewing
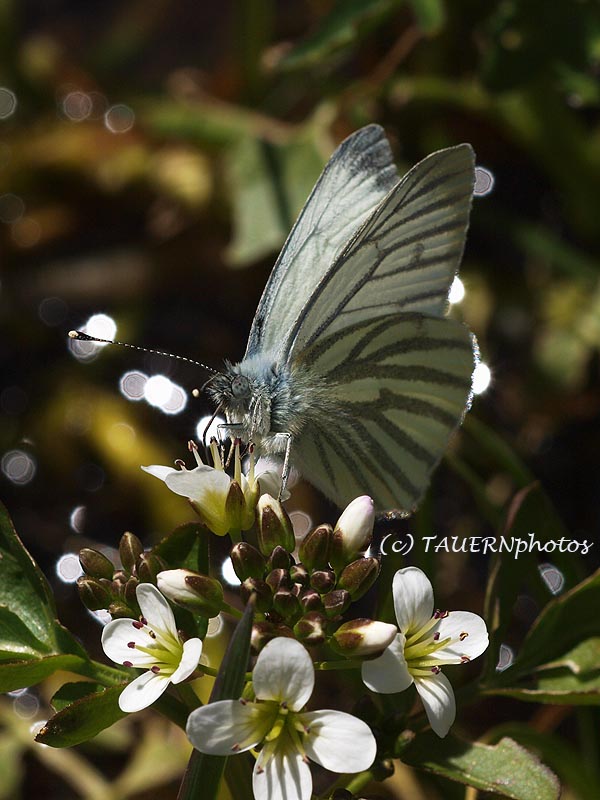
[400, 385]
[359, 174]
[404, 257]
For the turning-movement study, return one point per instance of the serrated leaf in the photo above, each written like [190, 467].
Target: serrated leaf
[204, 772]
[83, 719]
[506, 769]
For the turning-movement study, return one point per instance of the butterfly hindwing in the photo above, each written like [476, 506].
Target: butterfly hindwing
[400, 385]
[358, 175]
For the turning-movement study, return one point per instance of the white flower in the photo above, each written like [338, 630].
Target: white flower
[151, 643]
[426, 642]
[353, 531]
[283, 681]
[222, 502]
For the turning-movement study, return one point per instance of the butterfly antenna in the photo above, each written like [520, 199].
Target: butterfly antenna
[84, 337]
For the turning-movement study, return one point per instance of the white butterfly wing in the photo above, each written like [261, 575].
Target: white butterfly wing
[400, 385]
[404, 257]
[358, 175]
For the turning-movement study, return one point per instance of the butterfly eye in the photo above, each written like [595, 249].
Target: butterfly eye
[240, 387]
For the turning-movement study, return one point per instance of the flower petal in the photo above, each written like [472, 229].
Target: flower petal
[192, 650]
[116, 637]
[159, 472]
[155, 609]
[284, 673]
[200, 483]
[455, 626]
[228, 726]
[389, 673]
[438, 698]
[413, 598]
[285, 776]
[142, 692]
[338, 741]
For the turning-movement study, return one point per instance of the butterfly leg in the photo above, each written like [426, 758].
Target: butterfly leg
[285, 472]
[228, 430]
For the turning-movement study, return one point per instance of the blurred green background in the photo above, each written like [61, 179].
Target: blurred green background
[153, 156]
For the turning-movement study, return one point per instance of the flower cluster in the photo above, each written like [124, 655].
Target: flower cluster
[302, 595]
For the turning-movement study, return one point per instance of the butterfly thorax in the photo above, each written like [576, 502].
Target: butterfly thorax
[264, 399]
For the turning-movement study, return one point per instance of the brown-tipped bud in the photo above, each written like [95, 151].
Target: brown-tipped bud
[362, 637]
[358, 577]
[120, 578]
[311, 600]
[286, 604]
[299, 574]
[322, 580]
[263, 632]
[382, 770]
[119, 610]
[247, 561]
[235, 507]
[353, 532]
[279, 579]
[193, 591]
[314, 548]
[279, 559]
[148, 567]
[336, 603]
[310, 629]
[96, 564]
[93, 595]
[129, 591]
[274, 526]
[130, 549]
[260, 590]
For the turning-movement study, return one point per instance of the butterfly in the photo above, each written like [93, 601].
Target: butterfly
[352, 373]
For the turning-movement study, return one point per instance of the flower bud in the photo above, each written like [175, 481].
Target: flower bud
[286, 604]
[129, 591]
[96, 564]
[235, 507]
[279, 559]
[130, 549]
[148, 567]
[262, 593]
[120, 610]
[358, 577]
[353, 531]
[310, 629]
[322, 580]
[263, 632]
[363, 637]
[93, 595]
[247, 561]
[299, 574]
[193, 591]
[274, 526]
[314, 548]
[336, 603]
[279, 579]
[311, 600]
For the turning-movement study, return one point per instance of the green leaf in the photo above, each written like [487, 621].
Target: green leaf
[21, 674]
[430, 15]
[83, 719]
[507, 768]
[23, 587]
[347, 22]
[572, 679]
[17, 640]
[562, 625]
[203, 774]
[70, 692]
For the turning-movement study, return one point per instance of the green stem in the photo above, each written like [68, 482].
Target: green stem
[107, 676]
[359, 781]
[331, 665]
[188, 696]
[231, 610]
[235, 535]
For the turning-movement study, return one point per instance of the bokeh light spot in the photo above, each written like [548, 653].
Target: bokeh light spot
[68, 568]
[100, 325]
[77, 106]
[77, 519]
[26, 705]
[8, 102]
[482, 377]
[119, 118]
[484, 182]
[18, 466]
[133, 384]
[457, 291]
[506, 657]
[228, 573]
[552, 577]
[213, 428]
[53, 311]
[12, 208]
